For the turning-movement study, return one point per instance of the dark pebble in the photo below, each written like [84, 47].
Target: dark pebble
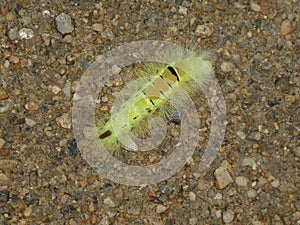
[175, 118]
[282, 84]
[170, 222]
[4, 196]
[166, 190]
[30, 198]
[69, 212]
[273, 102]
[22, 121]
[72, 145]
[15, 198]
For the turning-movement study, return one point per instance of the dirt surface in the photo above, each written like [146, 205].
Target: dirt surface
[45, 46]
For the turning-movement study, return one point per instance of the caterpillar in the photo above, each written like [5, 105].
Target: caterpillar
[143, 100]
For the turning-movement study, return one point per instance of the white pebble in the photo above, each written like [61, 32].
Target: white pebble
[241, 181]
[275, 183]
[30, 122]
[192, 196]
[228, 216]
[161, 208]
[26, 33]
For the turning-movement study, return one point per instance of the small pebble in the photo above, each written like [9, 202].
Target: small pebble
[3, 94]
[241, 135]
[4, 179]
[6, 64]
[27, 211]
[297, 151]
[2, 142]
[182, 10]
[14, 59]
[72, 145]
[228, 216]
[251, 193]
[227, 66]
[110, 202]
[254, 136]
[64, 121]
[166, 190]
[193, 221]
[26, 33]
[161, 208]
[218, 213]
[275, 183]
[223, 177]
[5, 105]
[30, 122]
[4, 196]
[64, 23]
[192, 196]
[13, 34]
[55, 89]
[203, 30]
[97, 27]
[241, 181]
[249, 162]
[290, 99]
[46, 12]
[286, 27]
[31, 106]
[254, 6]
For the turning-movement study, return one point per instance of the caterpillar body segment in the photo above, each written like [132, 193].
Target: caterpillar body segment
[160, 83]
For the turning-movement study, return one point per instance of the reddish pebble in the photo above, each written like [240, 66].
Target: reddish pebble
[4, 11]
[286, 27]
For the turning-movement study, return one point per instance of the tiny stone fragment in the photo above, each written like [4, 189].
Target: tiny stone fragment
[64, 23]
[26, 33]
[2, 142]
[227, 66]
[64, 121]
[254, 6]
[13, 33]
[223, 177]
[290, 99]
[31, 106]
[297, 151]
[3, 93]
[241, 181]
[30, 122]
[203, 30]
[72, 145]
[275, 183]
[110, 202]
[193, 221]
[228, 216]
[161, 208]
[55, 89]
[27, 211]
[249, 162]
[286, 27]
[14, 59]
[192, 196]
[5, 105]
[97, 27]
[182, 10]
[254, 136]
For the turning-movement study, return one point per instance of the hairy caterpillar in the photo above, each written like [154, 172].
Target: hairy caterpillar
[159, 83]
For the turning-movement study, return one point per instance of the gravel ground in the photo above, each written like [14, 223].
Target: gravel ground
[47, 45]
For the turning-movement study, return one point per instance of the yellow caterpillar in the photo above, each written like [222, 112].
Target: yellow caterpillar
[158, 84]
